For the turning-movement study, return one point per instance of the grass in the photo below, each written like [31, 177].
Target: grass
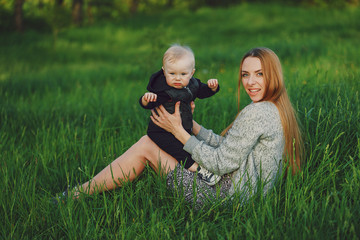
[70, 106]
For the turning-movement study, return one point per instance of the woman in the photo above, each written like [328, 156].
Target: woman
[254, 146]
[250, 151]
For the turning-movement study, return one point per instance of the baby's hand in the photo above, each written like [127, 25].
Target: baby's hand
[149, 97]
[213, 84]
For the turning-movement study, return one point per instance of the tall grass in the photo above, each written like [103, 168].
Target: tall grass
[67, 108]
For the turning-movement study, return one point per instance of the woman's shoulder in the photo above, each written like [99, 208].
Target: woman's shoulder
[261, 113]
[261, 109]
[261, 116]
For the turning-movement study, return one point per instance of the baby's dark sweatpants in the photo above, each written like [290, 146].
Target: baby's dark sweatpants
[167, 142]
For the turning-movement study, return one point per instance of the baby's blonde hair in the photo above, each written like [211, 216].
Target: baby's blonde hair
[176, 51]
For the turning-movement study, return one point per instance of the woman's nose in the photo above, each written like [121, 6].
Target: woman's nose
[251, 80]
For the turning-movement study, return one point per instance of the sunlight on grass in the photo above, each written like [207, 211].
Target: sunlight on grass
[68, 109]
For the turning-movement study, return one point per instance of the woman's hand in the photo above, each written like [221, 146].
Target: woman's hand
[192, 104]
[170, 122]
[165, 120]
[196, 127]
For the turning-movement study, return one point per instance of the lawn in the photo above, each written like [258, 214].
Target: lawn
[69, 106]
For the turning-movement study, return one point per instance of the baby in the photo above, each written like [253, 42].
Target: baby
[173, 83]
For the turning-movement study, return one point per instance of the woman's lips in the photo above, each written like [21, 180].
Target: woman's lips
[254, 91]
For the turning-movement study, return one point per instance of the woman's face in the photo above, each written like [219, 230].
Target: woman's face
[253, 79]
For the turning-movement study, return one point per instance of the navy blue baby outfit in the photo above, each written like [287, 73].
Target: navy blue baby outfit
[168, 97]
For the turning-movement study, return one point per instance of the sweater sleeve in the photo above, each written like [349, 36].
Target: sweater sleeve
[234, 149]
[209, 137]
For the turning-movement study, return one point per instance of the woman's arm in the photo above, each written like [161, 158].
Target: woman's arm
[251, 129]
[172, 124]
[220, 160]
[231, 152]
[251, 125]
[204, 134]
[196, 128]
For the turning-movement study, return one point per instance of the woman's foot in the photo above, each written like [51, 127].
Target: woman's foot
[62, 197]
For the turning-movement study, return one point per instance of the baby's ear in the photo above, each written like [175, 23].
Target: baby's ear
[163, 69]
[193, 71]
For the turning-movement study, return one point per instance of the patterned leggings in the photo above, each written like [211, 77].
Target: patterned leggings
[194, 189]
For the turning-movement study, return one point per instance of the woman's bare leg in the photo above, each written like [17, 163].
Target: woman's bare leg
[130, 165]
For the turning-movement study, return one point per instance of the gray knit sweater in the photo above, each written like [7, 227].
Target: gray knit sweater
[251, 150]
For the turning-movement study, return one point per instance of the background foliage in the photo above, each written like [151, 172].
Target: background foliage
[69, 105]
[58, 14]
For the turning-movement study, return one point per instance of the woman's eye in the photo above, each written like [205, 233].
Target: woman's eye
[260, 74]
[245, 75]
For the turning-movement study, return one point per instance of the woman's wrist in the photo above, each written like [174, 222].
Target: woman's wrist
[196, 128]
[182, 135]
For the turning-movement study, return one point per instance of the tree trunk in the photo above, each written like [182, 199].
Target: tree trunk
[134, 6]
[19, 15]
[59, 2]
[77, 12]
[170, 4]
[90, 13]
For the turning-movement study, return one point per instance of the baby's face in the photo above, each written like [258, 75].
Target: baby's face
[178, 73]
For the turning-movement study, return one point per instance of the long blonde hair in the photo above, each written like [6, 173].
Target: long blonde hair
[275, 92]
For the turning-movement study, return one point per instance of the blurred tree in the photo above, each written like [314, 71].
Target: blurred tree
[104, 9]
[18, 13]
[58, 16]
[134, 4]
[77, 12]
[223, 3]
[170, 3]
[89, 12]
[59, 2]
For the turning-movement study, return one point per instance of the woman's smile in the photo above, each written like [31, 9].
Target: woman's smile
[253, 79]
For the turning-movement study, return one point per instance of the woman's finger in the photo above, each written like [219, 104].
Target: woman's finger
[161, 110]
[154, 114]
[154, 120]
[177, 108]
[192, 104]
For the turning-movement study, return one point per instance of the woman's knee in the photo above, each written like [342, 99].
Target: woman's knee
[146, 144]
[154, 155]
[145, 140]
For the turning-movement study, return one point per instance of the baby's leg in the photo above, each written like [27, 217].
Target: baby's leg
[193, 167]
[167, 142]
